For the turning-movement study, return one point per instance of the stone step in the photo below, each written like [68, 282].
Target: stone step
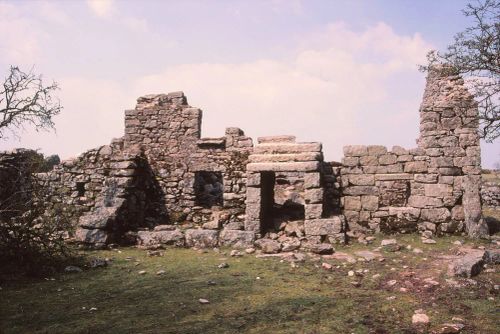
[282, 148]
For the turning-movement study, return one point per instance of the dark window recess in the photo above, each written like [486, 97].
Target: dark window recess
[80, 187]
[208, 189]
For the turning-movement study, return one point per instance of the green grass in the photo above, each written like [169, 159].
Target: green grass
[306, 299]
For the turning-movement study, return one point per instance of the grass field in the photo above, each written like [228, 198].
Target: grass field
[252, 295]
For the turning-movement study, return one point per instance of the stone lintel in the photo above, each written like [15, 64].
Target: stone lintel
[203, 142]
[298, 157]
[276, 139]
[284, 167]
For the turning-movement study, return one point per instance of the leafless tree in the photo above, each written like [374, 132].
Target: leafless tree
[475, 54]
[25, 100]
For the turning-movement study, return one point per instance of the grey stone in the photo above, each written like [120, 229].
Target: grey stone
[95, 236]
[236, 239]
[162, 237]
[201, 238]
[436, 215]
[268, 246]
[469, 265]
[326, 226]
[318, 248]
[355, 151]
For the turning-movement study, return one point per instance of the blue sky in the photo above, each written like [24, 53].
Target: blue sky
[339, 72]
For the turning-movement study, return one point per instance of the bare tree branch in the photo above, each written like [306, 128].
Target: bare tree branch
[25, 100]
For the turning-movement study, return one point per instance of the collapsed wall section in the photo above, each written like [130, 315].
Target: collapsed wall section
[434, 187]
[191, 171]
[105, 192]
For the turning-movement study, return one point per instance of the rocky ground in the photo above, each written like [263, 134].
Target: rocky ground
[378, 286]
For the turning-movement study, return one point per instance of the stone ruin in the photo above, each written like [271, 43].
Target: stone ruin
[162, 184]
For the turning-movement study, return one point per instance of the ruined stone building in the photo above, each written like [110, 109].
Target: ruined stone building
[162, 183]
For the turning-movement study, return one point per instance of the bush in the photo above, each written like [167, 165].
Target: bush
[32, 238]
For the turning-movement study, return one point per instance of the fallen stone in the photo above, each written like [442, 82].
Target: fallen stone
[203, 301]
[387, 242]
[493, 256]
[469, 265]
[268, 246]
[420, 319]
[428, 241]
[326, 266]
[367, 255]
[390, 245]
[391, 283]
[223, 265]
[98, 262]
[73, 269]
[318, 248]
[450, 328]
[142, 272]
[235, 253]
[290, 245]
[98, 238]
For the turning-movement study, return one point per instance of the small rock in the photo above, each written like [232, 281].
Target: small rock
[428, 241]
[326, 266]
[417, 251]
[203, 301]
[92, 309]
[155, 253]
[212, 283]
[142, 272]
[235, 253]
[98, 262]
[268, 246]
[223, 265]
[457, 243]
[250, 250]
[420, 319]
[350, 273]
[356, 284]
[160, 272]
[390, 245]
[387, 242]
[391, 283]
[450, 328]
[73, 269]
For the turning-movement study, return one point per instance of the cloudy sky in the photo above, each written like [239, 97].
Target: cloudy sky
[337, 71]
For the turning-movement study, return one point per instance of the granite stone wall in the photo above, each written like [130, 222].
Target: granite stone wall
[162, 183]
[168, 130]
[434, 187]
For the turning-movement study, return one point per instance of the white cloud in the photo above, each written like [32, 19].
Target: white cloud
[101, 8]
[20, 42]
[51, 12]
[135, 24]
